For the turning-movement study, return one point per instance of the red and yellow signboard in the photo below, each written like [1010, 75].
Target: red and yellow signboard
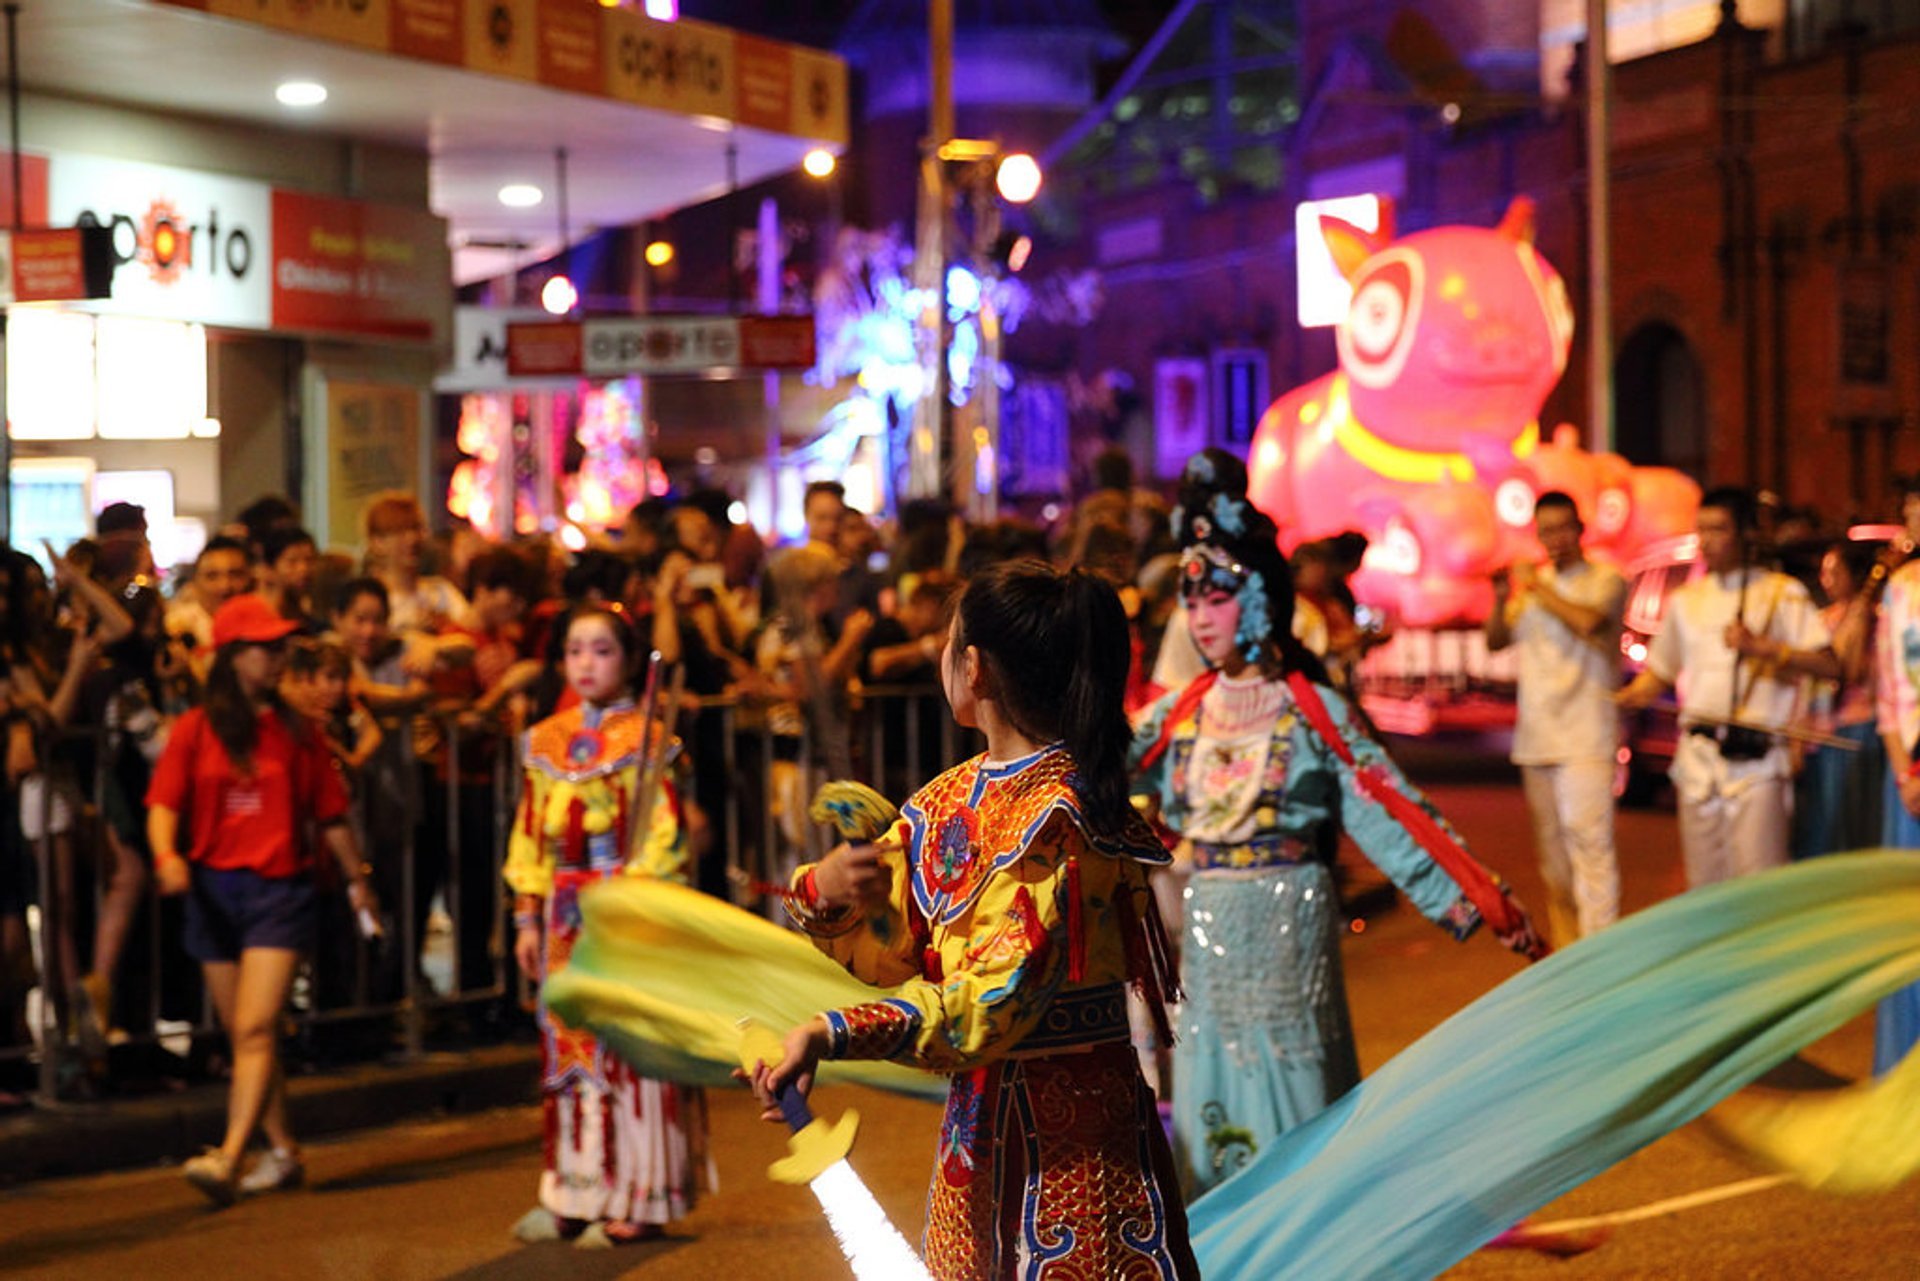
[695, 68]
[615, 346]
[345, 266]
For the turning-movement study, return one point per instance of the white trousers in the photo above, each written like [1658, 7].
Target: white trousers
[1572, 808]
[1735, 816]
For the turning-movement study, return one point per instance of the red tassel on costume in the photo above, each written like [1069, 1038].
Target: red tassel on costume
[576, 830]
[1076, 927]
[550, 1118]
[530, 821]
[579, 1121]
[608, 1148]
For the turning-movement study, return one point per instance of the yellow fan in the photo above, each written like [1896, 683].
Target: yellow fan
[853, 809]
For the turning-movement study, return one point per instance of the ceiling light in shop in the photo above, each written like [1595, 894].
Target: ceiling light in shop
[559, 296]
[818, 162]
[301, 93]
[659, 253]
[521, 195]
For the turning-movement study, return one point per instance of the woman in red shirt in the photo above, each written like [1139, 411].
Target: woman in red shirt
[248, 775]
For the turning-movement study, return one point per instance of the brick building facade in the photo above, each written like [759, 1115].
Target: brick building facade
[1766, 289]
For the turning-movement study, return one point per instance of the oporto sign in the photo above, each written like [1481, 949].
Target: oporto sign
[186, 245]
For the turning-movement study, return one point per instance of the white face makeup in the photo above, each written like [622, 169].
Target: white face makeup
[1213, 619]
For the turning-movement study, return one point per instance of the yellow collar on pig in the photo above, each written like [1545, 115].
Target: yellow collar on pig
[1334, 418]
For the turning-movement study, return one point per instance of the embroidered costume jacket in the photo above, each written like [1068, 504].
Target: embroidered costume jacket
[579, 799]
[619, 1147]
[1011, 934]
[1307, 795]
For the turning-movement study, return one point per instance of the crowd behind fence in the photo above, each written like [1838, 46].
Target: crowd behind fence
[424, 974]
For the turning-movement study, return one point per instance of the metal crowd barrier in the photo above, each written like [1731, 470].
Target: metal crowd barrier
[897, 737]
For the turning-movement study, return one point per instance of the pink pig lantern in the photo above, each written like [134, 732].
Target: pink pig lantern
[1427, 437]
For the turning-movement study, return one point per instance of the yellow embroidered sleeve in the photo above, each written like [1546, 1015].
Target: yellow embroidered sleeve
[1002, 964]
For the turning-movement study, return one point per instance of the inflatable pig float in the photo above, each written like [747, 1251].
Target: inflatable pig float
[1427, 437]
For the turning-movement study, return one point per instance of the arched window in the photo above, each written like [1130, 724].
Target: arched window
[1660, 401]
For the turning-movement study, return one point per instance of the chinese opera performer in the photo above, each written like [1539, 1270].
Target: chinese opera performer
[1259, 765]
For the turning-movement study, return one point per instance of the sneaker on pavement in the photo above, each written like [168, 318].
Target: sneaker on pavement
[275, 1171]
[212, 1173]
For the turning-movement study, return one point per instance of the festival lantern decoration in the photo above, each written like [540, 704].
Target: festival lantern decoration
[1427, 437]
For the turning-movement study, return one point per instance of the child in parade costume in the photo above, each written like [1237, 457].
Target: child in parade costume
[623, 1153]
[1010, 907]
[1259, 764]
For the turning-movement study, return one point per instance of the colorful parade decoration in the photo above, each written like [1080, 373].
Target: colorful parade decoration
[1427, 437]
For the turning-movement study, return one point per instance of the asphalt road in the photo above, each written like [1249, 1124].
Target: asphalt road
[435, 1199]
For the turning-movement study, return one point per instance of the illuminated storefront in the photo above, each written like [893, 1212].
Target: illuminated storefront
[252, 337]
[294, 192]
[555, 429]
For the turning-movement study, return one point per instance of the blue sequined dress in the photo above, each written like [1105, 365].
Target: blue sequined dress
[1264, 1039]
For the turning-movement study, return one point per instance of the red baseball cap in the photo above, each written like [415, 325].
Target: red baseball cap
[249, 619]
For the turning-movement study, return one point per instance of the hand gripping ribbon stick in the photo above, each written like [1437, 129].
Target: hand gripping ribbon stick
[817, 1157]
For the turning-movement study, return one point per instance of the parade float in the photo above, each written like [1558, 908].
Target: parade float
[1427, 438]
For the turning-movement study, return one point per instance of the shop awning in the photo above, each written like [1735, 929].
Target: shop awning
[489, 88]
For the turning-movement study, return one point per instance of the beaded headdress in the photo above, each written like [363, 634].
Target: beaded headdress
[1226, 543]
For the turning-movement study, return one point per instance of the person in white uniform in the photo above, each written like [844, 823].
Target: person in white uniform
[1564, 618]
[1735, 643]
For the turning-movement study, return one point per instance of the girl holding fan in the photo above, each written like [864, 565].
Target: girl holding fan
[1010, 906]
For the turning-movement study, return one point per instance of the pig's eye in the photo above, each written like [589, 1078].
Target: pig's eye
[1374, 321]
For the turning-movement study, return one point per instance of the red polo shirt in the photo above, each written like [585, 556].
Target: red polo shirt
[255, 821]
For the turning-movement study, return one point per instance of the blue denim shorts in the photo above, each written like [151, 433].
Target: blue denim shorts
[232, 909]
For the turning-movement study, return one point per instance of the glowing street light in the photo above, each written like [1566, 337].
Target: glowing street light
[1018, 178]
[819, 163]
[659, 253]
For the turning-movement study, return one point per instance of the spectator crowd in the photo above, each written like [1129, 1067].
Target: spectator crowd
[421, 660]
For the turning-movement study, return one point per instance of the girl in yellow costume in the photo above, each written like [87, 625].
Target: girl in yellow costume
[623, 1152]
[1010, 907]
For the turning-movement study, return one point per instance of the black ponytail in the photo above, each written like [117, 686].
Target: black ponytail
[1093, 719]
[1057, 644]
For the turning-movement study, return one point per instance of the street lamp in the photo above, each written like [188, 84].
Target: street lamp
[966, 436]
[1018, 178]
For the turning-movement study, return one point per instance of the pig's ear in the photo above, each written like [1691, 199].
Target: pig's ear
[1517, 224]
[1351, 246]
